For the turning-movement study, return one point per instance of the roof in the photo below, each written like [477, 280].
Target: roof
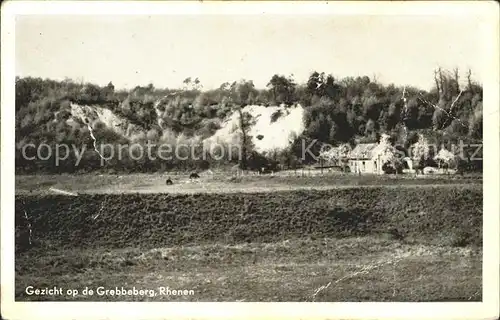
[363, 151]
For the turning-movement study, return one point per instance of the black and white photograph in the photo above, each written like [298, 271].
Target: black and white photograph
[219, 152]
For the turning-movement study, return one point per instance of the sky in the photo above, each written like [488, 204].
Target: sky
[164, 50]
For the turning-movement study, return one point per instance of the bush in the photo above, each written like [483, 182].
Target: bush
[388, 168]
[276, 115]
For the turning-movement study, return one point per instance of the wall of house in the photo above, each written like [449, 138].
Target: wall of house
[365, 166]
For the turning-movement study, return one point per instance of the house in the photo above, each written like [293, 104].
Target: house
[364, 159]
[371, 157]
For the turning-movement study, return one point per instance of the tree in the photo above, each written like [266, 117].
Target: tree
[110, 87]
[438, 118]
[192, 85]
[197, 84]
[315, 84]
[388, 155]
[445, 158]
[333, 132]
[370, 128]
[282, 89]
[245, 123]
[243, 92]
[238, 96]
[393, 116]
[476, 123]
[420, 149]
[90, 93]
[331, 89]
[411, 113]
[187, 82]
[336, 155]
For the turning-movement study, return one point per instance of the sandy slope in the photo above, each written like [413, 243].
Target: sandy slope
[274, 135]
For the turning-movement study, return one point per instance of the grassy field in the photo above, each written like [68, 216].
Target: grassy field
[223, 182]
[358, 269]
[331, 239]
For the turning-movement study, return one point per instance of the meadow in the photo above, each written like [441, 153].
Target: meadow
[226, 182]
[333, 238]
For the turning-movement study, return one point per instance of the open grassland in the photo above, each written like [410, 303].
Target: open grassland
[371, 244]
[224, 182]
[358, 269]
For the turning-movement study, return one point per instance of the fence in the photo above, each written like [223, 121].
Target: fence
[328, 172]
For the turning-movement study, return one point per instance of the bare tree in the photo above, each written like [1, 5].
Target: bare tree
[244, 124]
[437, 82]
[456, 77]
[239, 94]
[442, 83]
[469, 81]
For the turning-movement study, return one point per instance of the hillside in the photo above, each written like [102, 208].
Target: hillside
[275, 120]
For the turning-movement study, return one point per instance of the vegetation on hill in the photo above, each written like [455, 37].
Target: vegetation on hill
[348, 110]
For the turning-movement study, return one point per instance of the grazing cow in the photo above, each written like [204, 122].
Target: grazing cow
[194, 175]
[169, 182]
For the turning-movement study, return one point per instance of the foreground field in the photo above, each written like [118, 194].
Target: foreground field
[380, 243]
[350, 269]
[435, 215]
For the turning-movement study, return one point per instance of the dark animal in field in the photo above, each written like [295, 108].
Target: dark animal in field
[396, 234]
[194, 175]
[169, 182]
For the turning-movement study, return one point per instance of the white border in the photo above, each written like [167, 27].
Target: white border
[151, 310]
